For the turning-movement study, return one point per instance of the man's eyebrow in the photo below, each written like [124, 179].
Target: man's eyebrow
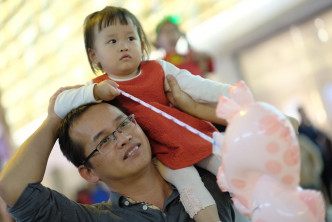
[121, 116]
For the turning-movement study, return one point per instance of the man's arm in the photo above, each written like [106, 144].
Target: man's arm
[200, 89]
[183, 101]
[28, 163]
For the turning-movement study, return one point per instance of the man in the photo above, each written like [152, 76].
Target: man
[114, 150]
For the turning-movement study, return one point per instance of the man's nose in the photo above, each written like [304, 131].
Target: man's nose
[122, 138]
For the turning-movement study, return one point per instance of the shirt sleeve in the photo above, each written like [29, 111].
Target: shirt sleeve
[73, 98]
[200, 89]
[38, 203]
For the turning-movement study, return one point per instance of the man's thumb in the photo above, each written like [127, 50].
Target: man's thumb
[173, 84]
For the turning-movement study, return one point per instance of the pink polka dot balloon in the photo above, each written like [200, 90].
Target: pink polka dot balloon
[261, 162]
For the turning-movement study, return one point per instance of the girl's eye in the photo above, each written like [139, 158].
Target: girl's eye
[112, 41]
[131, 38]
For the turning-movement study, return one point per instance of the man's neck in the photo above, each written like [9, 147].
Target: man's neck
[148, 187]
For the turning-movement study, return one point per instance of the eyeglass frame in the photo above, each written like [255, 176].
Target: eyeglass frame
[130, 117]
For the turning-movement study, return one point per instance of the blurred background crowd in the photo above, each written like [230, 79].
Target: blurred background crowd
[282, 49]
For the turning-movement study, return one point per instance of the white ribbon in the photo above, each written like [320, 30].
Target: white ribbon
[179, 122]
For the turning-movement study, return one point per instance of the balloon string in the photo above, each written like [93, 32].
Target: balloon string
[179, 122]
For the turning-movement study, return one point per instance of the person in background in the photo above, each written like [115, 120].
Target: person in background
[311, 164]
[323, 142]
[169, 36]
[92, 193]
[83, 195]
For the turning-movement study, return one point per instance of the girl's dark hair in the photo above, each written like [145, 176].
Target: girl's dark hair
[104, 18]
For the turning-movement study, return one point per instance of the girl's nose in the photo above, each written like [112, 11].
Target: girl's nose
[124, 47]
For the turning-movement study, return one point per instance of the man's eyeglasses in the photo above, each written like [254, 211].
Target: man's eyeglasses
[110, 141]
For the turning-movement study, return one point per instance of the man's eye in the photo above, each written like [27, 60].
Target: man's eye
[125, 123]
[106, 140]
[113, 41]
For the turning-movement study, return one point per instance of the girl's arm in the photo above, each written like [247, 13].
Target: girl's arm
[73, 98]
[180, 99]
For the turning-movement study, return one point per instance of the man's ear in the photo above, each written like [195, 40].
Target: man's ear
[88, 174]
[93, 56]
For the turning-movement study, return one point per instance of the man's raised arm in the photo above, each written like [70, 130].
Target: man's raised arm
[28, 163]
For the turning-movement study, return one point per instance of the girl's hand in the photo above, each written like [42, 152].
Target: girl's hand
[106, 90]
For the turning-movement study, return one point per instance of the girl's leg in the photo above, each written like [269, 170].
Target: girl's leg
[211, 163]
[195, 198]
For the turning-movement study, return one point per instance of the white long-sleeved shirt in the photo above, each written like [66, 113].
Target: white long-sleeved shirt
[200, 89]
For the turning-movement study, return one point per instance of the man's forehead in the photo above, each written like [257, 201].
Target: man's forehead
[105, 109]
[96, 118]
[102, 112]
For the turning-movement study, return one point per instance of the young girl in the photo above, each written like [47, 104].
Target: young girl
[115, 43]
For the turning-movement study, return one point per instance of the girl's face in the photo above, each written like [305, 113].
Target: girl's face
[118, 49]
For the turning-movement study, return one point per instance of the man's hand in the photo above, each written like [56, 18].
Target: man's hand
[176, 96]
[52, 100]
[106, 90]
[183, 101]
